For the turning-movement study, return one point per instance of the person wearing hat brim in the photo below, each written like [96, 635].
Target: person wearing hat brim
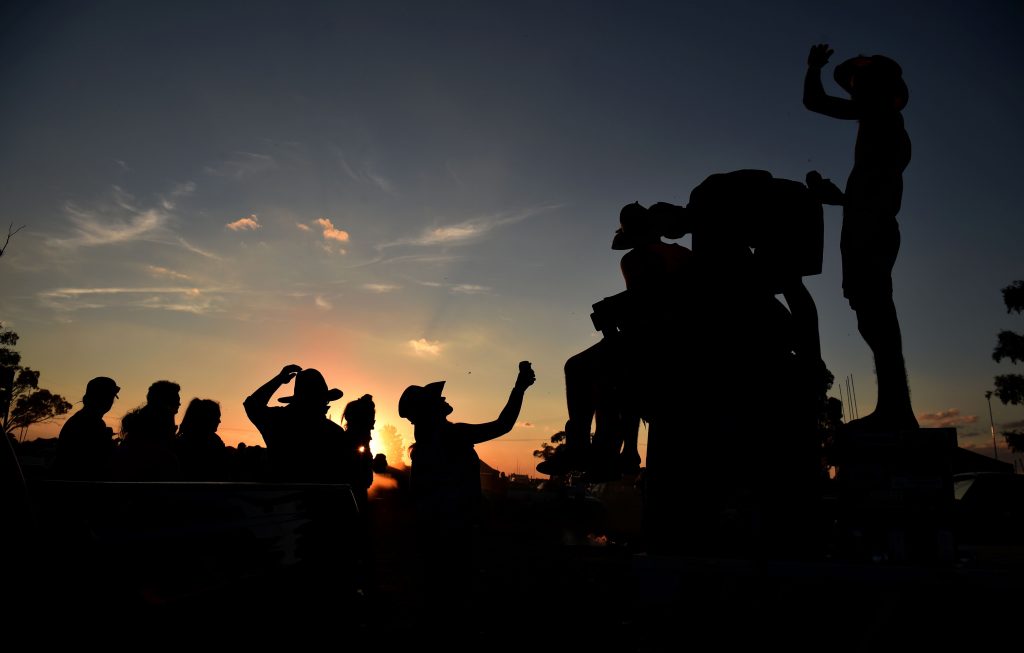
[445, 482]
[301, 440]
[870, 238]
[85, 444]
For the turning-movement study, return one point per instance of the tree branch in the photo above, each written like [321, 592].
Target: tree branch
[10, 232]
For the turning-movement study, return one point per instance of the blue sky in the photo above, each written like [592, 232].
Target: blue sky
[403, 192]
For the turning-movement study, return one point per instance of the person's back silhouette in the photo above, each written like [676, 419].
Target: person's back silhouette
[85, 444]
[200, 450]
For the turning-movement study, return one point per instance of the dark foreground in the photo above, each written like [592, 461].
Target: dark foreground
[258, 565]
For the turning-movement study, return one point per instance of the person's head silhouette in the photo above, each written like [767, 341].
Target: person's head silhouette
[201, 417]
[360, 414]
[424, 404]
[875, 81]
[100, 394]
[163, 396]
[636, 227]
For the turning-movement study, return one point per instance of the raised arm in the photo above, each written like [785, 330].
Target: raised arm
[815, 97]
[478, 433]
[256, 404]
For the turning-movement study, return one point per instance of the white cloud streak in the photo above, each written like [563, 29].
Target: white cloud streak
[380, 288]
[91, 230]
[468, 231]
[178, 299]
[469, 289]
[166, 273]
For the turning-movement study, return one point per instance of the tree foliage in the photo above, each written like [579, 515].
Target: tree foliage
[1010, 345]
[22, 402]
[1010, 387]
[1014, 440]
[548, 449]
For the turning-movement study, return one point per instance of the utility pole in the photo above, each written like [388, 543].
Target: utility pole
[992, 425]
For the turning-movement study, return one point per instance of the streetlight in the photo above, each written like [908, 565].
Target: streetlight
[992, 425]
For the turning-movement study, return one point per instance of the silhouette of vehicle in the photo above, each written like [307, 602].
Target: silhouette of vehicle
[988, 509]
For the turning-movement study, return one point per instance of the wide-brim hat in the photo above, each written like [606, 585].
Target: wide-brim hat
[886, 73]
[310, 387]
[416, 397]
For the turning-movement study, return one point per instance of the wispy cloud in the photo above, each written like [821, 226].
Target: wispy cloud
[302, 227]
[380, 288]
[248, 223]
[242, 165]
[468, 231]
[469, 289]
[424, 347]
[93, 229]
[167, 273]
[170, 201]
[120, 220]
[946, 419]
[364, 174]
[322, 303]
[331, 232]
[179, 299]
[197, 250]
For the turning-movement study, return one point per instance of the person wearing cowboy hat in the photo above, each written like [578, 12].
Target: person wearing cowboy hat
[86, 443]
[299, 436]
[445, 484]
[870, 238]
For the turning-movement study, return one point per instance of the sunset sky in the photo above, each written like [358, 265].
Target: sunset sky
[398, 193]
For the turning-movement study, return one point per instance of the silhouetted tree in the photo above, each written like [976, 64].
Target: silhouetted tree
[22, 402]
[10, 232]
[548, 449]
[391, 443]
[1010, 387]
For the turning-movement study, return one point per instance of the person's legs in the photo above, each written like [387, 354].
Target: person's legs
[879, 325]
[582, 387]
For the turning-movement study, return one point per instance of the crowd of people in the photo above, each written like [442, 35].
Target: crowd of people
[690, 323]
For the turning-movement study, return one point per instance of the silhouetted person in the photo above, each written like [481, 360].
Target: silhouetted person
[300, 437]
[608, 383]
[445, 483]
[86, 444]
[146, 452]
[870, 236]
[779, 219]
[359, 416]
[200, 450]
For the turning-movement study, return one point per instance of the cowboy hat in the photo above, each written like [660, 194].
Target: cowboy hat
[416, 397]
[311, 387]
